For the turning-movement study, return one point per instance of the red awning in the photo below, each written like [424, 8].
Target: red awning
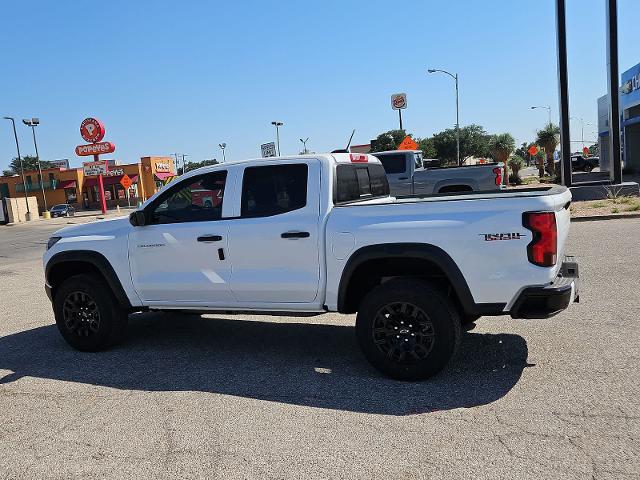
[93, 181]
[162, 176]
[67, 184]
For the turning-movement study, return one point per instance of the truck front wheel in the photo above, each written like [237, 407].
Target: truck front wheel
[407, 329]
[87, 315]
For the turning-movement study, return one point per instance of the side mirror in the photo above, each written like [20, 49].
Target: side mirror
[138, 218]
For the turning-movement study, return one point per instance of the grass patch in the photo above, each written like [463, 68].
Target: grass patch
[633, 208]
[624, 200]
[615, 210]
[598, 205]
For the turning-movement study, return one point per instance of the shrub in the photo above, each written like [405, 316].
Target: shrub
[514, 179]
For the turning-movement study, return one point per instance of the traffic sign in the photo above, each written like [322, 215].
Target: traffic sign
[399, 101]
[268, 149]
[125, 181]
[92, 130]
[101, 167]
[533, 150]
[408, 144]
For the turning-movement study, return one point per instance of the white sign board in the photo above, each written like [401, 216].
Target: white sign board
[64, 163]
[92, 169]
[399, 101]
[268, 149]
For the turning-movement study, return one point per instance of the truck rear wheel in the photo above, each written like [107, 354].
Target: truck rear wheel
[407, 329]
[87, 315]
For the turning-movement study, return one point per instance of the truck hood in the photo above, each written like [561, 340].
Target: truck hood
[111, 226]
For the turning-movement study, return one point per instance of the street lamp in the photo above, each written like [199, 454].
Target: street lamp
[222, 147]
[24, 182]
[581, 120]
[455, 77]
[304, 145]
[277, 125]
[33, 123]
[548, 109]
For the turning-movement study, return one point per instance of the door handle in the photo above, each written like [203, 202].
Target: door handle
[209, 238]
[403, 178]
[295, 235]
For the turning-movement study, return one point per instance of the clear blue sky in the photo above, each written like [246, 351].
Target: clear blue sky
[167, 76]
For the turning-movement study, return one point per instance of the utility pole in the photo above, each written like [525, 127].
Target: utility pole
[184, 164]
[33, 122]
[24, 182]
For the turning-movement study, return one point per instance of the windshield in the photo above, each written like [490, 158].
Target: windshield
[59, 207]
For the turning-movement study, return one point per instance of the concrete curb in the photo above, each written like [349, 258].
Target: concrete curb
[604, 217]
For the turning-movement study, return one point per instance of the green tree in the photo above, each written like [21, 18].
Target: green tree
[474, 141]
[516, 163]
[594, 150]
[501, 147]
[29, 163]
[427, 147]
[194, 165]
[548, 138]
[388, 140]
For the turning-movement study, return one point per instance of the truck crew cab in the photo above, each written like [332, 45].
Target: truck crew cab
[313, 234]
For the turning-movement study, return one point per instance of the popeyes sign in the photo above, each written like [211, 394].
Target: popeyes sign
[92, 130]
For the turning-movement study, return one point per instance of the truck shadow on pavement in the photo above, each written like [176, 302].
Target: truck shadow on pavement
[307, 364]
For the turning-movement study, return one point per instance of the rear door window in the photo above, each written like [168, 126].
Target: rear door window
[273, 189]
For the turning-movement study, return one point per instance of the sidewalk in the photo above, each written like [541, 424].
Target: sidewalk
[82, 216]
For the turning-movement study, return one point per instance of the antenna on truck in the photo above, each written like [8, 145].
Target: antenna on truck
[348, 149]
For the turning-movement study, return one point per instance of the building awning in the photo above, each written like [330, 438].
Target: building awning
[67, 184]
[162, 176]
[93, 181]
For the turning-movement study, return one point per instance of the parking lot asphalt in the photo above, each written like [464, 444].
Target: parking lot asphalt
[243, 396]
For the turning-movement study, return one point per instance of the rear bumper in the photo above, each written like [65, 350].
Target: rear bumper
[546, 301]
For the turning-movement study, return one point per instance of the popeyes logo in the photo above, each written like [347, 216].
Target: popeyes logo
[163, 167]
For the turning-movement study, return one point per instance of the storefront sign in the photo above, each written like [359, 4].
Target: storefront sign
[114, 172]
[95, 149]
[92, 169]
[399, 101]
[92, 130]
[163, 167]
[64, 163]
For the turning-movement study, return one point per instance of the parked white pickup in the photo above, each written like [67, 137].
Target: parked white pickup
[314, 234]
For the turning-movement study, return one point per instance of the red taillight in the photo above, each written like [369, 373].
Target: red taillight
[543, 249]
[498, 173]
[358, 158]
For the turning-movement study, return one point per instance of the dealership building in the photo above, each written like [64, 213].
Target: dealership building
[629, 93]
[70, 185]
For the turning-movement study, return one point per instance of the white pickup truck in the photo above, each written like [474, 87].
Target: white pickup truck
[314, 234]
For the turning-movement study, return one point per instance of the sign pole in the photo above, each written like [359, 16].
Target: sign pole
[103, 203]
[400, 115]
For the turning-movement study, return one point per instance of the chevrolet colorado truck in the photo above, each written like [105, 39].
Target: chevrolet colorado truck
[312, 234]
[409, 174]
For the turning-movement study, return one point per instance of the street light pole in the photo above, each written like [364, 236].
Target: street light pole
[33, 123]
[304, 145]
[455, 77]
[222, 147]
[277, 125]
[24, 182]
[581, 120]
[548, 110]
[184, 164]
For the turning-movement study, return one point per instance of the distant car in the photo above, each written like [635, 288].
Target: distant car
[580, 163]
[62, 210]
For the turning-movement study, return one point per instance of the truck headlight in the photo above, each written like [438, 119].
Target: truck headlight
[52, 241]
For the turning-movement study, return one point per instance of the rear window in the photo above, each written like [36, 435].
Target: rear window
[360, 182]
[393, 163]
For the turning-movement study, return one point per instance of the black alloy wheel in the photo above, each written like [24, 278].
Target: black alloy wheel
[403, 332]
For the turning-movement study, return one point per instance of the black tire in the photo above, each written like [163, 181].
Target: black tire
[393, 343]
[87, 314]
[587, 168]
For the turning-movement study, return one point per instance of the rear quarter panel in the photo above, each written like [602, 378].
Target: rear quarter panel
[495, 270]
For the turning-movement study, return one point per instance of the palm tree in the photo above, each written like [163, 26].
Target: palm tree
[501, 147]
[548, 139]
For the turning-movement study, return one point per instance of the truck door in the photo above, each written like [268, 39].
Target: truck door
[399, 170]
[274, 244]
[179, 256]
